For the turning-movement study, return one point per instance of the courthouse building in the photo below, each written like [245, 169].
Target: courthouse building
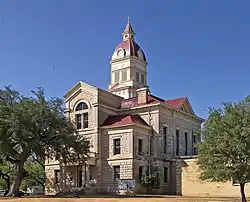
[130, 129]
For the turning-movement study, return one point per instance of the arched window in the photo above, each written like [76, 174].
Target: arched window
[82, 116]
[81, 106]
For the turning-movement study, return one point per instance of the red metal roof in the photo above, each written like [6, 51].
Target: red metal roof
[122, 120]
[131, 48]
[176, 103]
[133, 102]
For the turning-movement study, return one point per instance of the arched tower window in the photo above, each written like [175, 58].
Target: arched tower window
[82, 115]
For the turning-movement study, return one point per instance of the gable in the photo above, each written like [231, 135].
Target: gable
[77, 88]
[186, 107]
[181, 104]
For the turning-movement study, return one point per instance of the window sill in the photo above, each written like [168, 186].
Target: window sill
[120, 156]
[84, 129]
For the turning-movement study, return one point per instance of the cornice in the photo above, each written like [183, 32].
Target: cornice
[128, 58]
[128, 125]
[181, 113]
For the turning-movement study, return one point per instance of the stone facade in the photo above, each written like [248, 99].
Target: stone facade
[130, 130]
[191, 185]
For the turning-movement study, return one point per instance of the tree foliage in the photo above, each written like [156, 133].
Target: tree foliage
[34, 173]
[224, 153]
[32, 125]
[6, 174]
[149, 178]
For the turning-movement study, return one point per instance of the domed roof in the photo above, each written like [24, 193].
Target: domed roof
[128, 47]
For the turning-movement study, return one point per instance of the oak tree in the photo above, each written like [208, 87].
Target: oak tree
[34, 125]
[224, 152]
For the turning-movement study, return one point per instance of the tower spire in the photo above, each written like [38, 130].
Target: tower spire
[128, 32]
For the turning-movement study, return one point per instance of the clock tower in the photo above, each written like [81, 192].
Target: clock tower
[128, 66]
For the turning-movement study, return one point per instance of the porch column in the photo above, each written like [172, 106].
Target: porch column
[76, 177]
[84, 174]
[88, 173]
[62, 177]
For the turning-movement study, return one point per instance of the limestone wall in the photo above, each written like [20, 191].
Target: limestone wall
[50, 187]
[191, 185]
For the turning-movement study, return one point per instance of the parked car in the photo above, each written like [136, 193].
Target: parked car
[2, 191]
[23, 193]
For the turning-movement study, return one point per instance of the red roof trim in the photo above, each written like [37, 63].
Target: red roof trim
[122, 120]
[133, 102]
[176, 103]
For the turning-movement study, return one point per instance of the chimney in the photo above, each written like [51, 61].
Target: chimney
[142, 94]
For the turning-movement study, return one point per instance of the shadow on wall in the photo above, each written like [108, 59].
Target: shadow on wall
[178, 169]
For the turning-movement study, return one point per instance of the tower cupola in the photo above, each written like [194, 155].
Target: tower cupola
[128, 66]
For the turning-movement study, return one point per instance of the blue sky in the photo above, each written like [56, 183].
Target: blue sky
[199, 49]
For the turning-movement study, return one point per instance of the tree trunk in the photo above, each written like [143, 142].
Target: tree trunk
[242, 191]
[14, 189]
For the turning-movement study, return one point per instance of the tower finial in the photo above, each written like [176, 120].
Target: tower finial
[128, 19]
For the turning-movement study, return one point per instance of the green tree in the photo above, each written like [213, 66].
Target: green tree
[247, 98]
[224, 153]
[6, 174]
[149, 178]
[34, 172]
[33, 125]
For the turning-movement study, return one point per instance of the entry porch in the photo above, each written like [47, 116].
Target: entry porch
[77, 177]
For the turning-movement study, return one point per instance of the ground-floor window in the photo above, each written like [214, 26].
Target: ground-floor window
[91, 172]
[156, 183]
[80, 178]
[140, 173]
[57, 176]
[165, 174]
[116, 172]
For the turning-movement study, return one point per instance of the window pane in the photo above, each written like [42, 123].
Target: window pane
[151, 146]
[124, 75]
[156, 182]
[186, 143]
[80, 178]
[165, 139]
[116, 172]
[140, 146]
[117, 76]
[142, 78]
[140, 172]
[177, 142]
[117, 146]
[81, 106]
[193, 144]
[137, 76]
[78, 121]
[57, 176]
[165, 174]
[85, 120]
[91, 169]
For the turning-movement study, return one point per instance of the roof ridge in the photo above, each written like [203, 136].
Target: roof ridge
[184, 97]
